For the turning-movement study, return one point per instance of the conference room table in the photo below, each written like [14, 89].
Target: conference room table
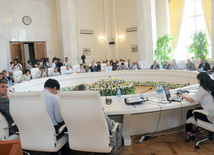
[147, 117]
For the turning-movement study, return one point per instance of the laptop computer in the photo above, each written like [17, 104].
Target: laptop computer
[175, 98]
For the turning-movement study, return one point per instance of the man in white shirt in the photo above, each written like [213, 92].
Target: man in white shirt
[53, 103]
[68, 70]
[66, 62]
[16, 66]
[55, 72]
[137, 66]
[54, 63]
[42, 73]
[130, 64]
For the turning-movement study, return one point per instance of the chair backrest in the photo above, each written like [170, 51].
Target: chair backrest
[85, 121]
[76, 68]
[50, 70]
[103, 67]
[62, 69]
[4, 130]
[33, 72]
[36, 129]
[182, 63]
[196, 62]
[211, 62]
[17, 75]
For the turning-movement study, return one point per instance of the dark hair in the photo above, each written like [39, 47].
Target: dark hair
[27, 71]
[0, 73]
[3, 81]
[28, 61]
[42, 67]
[81, 87]
[206, 82]
[11, 62]
[4, 71]
[51, 83]
[203, 59]
[81, 64]
[122, 64]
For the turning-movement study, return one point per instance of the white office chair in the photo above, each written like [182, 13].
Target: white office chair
[4, 130]
[50, 70]
[33, 72]
[36, 129]
[62, 69]
[202, 124]
[182, 64]
[87, 126]
[76, 68]
[17, 75]
[196, 62]
[103, 67]
[211, 62]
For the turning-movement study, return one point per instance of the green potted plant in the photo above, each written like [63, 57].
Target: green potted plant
[199, 45]
[163, 49]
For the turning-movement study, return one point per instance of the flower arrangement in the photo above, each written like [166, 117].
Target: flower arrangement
[154, 84]
[108, 87]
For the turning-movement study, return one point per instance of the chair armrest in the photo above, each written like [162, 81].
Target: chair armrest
[201, 111]
[114, 130]
[12, 125]
[61, 128]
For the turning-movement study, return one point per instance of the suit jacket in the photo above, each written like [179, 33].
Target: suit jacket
[156, 67]
[166, 66]
[95, 69]
[205, 67]
[4, 109]
[7, 78]
[191, 66]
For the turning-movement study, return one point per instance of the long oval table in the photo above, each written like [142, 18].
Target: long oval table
[138, 119]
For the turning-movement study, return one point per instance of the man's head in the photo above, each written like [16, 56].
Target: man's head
[42, 69]
[92, 63]
[137, 62]
[155, 62]
[107, 64]
[29, 62]
[82, 87]
[59, 60]
[55, 69]
[129, 60]
[166, 62]
[66, 59]
[55, 61]
[3, 87]
[81, 66]
[98, 62]
[174, 61]
[122, 65]
[188, 61]
[202, 60]
[15, 61]
[52, 85]
[67, 67]
[27, 72]
[4, 73]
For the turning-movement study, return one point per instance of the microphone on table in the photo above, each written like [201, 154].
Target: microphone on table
[108, 101]
[145, 91]
[182, 91]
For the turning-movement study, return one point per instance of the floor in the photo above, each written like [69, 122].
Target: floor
[166, 144]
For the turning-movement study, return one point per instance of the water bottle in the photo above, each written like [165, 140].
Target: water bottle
[35, 76]
[160, 91]
[14, 90]
[8, 83]
[157, 91]
[89, 70]
[119, 93]
[202, 69]
[11, 83]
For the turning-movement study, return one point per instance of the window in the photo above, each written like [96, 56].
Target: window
[193, 21]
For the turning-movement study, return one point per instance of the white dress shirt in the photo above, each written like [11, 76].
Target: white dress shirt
[53, 107]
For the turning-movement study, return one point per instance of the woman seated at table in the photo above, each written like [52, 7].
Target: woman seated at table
[205, 95]
[26, 76]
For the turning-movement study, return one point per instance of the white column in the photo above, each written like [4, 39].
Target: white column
[146, 30]
[162, 17]
[67, 30]
[212, 30]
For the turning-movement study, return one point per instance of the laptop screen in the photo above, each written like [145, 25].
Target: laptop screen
[167, 92]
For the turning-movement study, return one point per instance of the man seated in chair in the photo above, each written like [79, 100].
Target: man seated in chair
[115, 141]
[53, 104]
[5, 106]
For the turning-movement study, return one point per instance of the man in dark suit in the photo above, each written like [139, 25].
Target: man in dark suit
[4, 73]
[155, 65]
[205, 65]
[93, 68]
[4, 106]
[166, 65]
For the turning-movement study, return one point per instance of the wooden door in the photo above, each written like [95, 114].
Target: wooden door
[40, 50]
[17, 50]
